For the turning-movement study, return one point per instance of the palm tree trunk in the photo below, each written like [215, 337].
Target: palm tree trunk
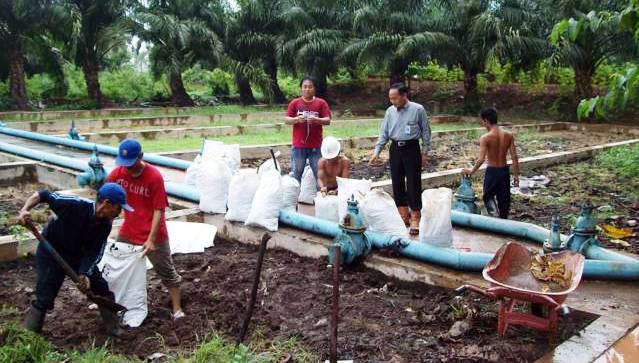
[91, 69]
[398, 70]
[17, 84]
[583, 82]
[246, 93]
[471, 93]
[270, 67]
[179, 97]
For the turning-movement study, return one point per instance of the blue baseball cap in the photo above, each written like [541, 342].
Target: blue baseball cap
[128, 152]
[115, 194]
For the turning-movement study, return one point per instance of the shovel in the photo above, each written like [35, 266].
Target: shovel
[99, 300]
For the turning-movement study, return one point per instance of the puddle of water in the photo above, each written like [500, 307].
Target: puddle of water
[626, 350]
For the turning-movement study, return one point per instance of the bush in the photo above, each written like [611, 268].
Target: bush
[434, 72]
[221, 83]
[623, 161]
[127, 85]
[290, 86]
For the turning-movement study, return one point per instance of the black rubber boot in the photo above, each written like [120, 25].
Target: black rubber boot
[34, 319]
[111, 323]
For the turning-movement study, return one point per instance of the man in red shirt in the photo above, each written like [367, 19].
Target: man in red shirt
[307, 115]
[146, 225]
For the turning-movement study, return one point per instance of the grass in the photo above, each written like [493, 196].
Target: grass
[21, 346]
[262, 137]
[624, 161]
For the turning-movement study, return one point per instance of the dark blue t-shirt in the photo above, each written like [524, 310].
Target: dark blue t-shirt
[75, 232]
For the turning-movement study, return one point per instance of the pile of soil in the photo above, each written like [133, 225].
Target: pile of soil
[12, 200]
[451, 151]
[382, 319]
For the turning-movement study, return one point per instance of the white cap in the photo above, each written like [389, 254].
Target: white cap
[330, 147]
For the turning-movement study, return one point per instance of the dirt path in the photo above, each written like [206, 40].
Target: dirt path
[382, 319]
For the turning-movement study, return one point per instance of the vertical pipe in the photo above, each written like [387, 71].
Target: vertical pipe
[256, 284]
[335, 309]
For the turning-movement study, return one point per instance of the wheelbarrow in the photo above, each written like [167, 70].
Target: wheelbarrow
[511, 282]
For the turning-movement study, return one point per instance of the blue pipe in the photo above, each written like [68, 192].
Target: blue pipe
[613, 267]
[174, 189]
[529, 231]
[455, 259]
[89, 146]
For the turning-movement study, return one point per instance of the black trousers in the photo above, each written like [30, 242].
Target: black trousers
[406, 174]
[51, 276]
[497, 187]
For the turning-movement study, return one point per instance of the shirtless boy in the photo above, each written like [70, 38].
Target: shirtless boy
[495, 146]
[331, 166]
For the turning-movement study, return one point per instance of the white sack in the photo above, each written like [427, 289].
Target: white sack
[351, 187]
[218, 150]
[308, 186]
[193, 171]
[265, 209]
[242, 190]
[213, 185]
[124, 269]
[326, 207]
[380, 213]
[435, 227]
[290, 192]
[269, 165]
[190, 237]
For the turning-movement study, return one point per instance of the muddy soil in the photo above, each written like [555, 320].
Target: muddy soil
[381, 319]
[451, 151]
[11, 201]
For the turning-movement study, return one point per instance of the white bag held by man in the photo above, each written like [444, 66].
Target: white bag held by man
[218, 150]
[265, 209]
[326, 207]
[213, 184]
[290, 192]
[308, 186]
[192, 171]
[124, 269]
[380, 213]
[242, 190]
[351, 187]
[435, 227]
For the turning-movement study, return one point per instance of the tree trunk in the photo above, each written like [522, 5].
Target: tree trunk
[17, 84]
[583, 83]
[398, 70]
[471, 93]
[91, 69]
[246, 93]
[277, 96]
[179, 97]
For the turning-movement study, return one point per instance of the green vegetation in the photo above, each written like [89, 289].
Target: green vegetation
[622, 161]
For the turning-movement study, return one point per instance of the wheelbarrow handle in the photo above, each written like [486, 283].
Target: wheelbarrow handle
[56, 256]
[486, 292]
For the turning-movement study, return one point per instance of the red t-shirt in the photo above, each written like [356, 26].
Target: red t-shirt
[145, 194]
[308, 134]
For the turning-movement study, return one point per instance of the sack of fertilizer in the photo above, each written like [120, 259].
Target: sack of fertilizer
[265, 209]
[213, 185]
[192, 171]
[380, 213]
[124, 269]
[270, 164]
[351, 187]
[290, 192]
[435, 227]
[326, 207]
[218, 150]
[242, 190]
[308, 186]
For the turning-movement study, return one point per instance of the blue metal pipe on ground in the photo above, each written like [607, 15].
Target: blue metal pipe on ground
[528, 231]
[174, 189]
[89, 146]
[455, 259]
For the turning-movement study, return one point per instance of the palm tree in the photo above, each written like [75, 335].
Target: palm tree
[379, 28]
[182, 33]
[253, 35]
[587, 39]
[20, 23]
[469, 33]
[316, 33]
[91, 29]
